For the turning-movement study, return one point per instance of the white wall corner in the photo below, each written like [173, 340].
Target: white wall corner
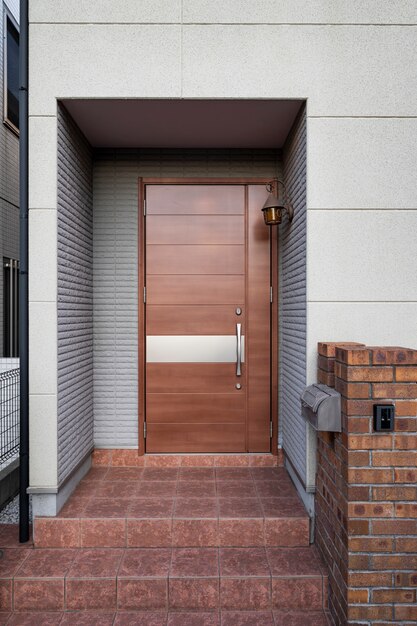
[46, 504]
[42, 255]
[43, 460]
[43, 160]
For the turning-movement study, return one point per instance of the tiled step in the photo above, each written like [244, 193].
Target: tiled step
[161, 618]
[164, 579]
[130, 458]
[179, 507]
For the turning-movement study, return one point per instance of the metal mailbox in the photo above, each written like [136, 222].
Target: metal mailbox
[321, 407]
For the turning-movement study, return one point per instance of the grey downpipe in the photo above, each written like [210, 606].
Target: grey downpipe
[23, 282]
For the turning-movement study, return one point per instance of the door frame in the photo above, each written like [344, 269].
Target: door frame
[142, 182]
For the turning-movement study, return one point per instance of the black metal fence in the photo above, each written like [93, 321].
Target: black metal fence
[9, 414]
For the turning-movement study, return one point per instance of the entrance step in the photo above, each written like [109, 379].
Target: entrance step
[290, 581]
[131, 507]
[130, 458]
[171, 618]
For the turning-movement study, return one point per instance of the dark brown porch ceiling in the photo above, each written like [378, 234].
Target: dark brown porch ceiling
[184, 123]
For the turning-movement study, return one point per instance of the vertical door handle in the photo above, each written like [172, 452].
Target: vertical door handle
[238, 349]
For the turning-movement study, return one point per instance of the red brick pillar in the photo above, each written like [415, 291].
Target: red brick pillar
[366, 503]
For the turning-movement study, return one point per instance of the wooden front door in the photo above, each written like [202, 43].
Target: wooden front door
[207, 318]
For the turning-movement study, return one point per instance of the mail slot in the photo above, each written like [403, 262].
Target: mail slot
[321, 407]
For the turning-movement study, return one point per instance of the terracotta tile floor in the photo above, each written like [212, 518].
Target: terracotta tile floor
[158, 618]
[106, 492]
[172, 547]
[159, 507]
[213, 585]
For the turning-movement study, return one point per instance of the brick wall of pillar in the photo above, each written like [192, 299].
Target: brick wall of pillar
[366, 501]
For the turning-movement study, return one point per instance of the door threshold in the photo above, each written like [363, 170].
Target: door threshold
[130, 458]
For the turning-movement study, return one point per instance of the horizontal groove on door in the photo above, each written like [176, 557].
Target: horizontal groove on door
[195, 408]
[189, 289]
[195, 437]
[193, 349]
[193, 378]
[195, 229]
[195, 199]
[200, 259]
[179, 319]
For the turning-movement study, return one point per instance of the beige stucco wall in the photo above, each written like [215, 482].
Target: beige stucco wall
[355, 64]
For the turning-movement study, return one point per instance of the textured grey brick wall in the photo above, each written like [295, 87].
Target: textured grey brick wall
[9, 179]
[292, 307]
[75, 295]
[116, 174]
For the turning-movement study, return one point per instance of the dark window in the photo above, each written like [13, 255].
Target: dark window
[11, 73]
[10, 308]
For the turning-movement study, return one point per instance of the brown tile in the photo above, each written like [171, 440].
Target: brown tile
[9, 537]
[127, 458]
[280, 458]
[11, 561]
[151, 508]
[96, 563]
[242, 562]
[160, 473]
[282, 507]
[233, 473]
[245, 593]
[107, 507]
[195, 532]
[236, 489]
[194, 562]
[198, 618]
[38, 618]
[117, 489]
[196, 489]
[194, 593]
[162, 460]
[124, 474]
[231, 460]
[248, 618]
[141, 618]
[297, 593]
[88, 593]
[85, 489]
[101, 457]
[239, 507]
[4, 617]
[263, 460]
[161, 488]
[96, 474]
[271, 473]
[57, 533]
[145, 593]
[287, 532]
[195, 507]
[325, 591]
[300, 618]
[75, 507]
[87, 618]
[274, 489]
[145, 563]
[246, 532]
[197, 460]
[47, 563]
[294, 561]
[103, 533]
[149, 533]
[6, 591]
[197, 473]
[37, 594]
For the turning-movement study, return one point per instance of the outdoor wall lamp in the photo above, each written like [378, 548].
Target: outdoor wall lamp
[274, 207]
